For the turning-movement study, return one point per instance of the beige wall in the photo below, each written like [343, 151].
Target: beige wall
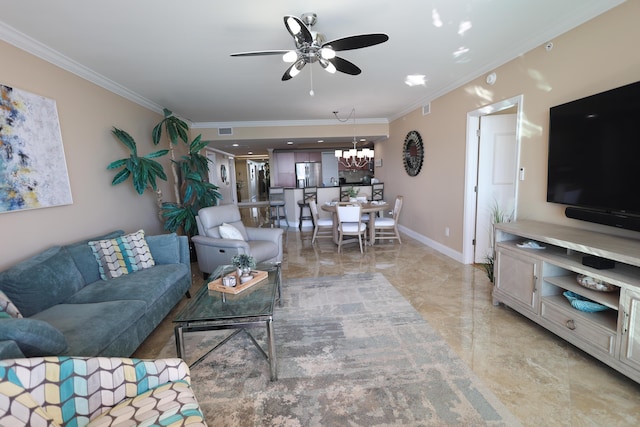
[87, 113]
[594, 57]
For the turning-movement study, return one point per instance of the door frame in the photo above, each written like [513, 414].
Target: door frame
[213, 154]
[471, 169]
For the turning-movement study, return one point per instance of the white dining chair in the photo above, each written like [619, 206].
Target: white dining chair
[387, 227]
[350, 223]
[322, 227]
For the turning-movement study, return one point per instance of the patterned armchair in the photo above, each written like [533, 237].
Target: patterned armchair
[96, 391]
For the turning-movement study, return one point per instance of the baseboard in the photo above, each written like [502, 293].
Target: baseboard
[432, 244]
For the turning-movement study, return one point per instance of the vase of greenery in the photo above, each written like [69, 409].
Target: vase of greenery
[244, 263]
[497, 216]
[353, 193]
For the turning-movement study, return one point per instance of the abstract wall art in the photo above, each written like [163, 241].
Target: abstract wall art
[33, 170]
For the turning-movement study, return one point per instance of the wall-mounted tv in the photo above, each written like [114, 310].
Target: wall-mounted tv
[594, 152]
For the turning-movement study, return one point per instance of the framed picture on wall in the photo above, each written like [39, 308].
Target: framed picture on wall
[33, 170]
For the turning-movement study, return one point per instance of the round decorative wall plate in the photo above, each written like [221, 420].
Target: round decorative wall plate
[413, 153]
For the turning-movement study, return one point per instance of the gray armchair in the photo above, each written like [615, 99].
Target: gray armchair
[264, 244]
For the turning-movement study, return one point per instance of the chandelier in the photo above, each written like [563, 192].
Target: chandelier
[353, 158]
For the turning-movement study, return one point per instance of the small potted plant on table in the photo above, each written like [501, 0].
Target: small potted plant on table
[244, 263]
[353, 193]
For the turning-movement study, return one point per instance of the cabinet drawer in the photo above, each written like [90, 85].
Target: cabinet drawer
[573, 322]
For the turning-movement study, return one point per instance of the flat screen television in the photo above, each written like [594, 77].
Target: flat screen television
[594, 152]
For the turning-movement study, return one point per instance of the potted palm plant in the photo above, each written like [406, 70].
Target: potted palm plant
[190, 174]
[192, 191]
[144, 171]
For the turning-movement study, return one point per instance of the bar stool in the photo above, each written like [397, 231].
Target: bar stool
[377, 191]
[277, 206]
[308, 193]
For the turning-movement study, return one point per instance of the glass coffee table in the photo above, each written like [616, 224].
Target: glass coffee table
[213, 310]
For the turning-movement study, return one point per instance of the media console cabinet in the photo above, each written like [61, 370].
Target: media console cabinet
[532, 281]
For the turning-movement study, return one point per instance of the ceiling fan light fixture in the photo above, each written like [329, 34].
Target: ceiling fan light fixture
[293, 26]
[311, 47]
[328, 66]
[297, 67]
[290, 56]
[327, 53]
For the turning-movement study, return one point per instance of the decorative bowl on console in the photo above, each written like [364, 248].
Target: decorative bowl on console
[595, 284]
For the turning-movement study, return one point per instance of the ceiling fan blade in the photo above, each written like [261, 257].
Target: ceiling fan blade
[293, 70]
[261, 53]
[345, 66]
[357, 42]
[298, 30]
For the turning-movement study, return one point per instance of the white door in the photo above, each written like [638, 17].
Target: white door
[497, 174]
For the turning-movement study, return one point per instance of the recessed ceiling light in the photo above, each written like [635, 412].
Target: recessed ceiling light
[415, 80]
[435, 17]
[321, 140]
[289, 142]
[460, 51]
[464, 27]
[250, 152]
[235, 144]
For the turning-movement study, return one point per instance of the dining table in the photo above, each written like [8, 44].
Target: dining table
[370, 207]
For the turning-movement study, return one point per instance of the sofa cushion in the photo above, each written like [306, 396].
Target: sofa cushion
[228, 231]
[85, 259]
[9, 350]
[7, 308]
[168, 404]
[146, 285]
[165, 248]
[90, 328]
[34, 337]
[122, 255]
[42, 281]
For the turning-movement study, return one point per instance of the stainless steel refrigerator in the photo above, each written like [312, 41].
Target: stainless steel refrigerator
[308, 174]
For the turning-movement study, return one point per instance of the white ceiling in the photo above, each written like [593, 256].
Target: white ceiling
[175, 54]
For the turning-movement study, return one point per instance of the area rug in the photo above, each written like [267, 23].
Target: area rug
[351, 351]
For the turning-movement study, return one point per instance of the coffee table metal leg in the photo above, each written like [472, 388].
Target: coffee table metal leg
[272, 350]
[179, 334]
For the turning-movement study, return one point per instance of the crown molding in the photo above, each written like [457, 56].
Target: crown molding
[34, 47]
[283, 123]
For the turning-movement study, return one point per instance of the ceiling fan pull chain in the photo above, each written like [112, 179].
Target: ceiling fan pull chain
[311, 92]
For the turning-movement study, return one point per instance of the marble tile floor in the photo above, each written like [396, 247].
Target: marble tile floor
[542, 379]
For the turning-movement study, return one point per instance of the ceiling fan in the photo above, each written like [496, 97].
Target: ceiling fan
[310, 47]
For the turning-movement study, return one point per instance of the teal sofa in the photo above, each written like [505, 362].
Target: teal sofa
[67, 309]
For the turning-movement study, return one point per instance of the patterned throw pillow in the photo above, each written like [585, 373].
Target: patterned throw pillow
[122, 255]
[7, 308]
